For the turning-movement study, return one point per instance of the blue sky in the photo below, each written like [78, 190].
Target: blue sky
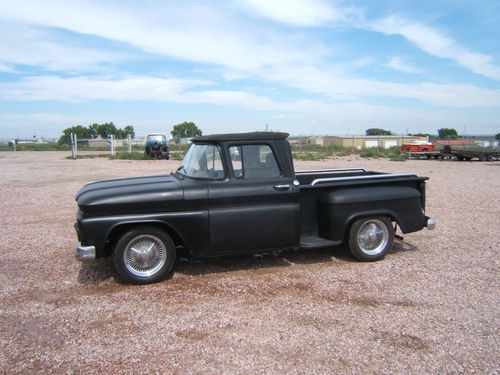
[306, 67]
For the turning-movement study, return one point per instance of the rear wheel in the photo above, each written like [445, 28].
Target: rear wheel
[370, 238]
[144, 255]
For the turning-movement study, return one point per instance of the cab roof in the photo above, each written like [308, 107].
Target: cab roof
[254, 136]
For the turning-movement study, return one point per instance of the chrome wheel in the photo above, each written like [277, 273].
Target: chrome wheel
[145, 255]
[373, 237]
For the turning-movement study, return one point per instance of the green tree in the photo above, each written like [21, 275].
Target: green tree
[446, 133]
[186, 130]
[129, 129]
[79, 130]
[92, 131]
[123, 133]
[377, 131]
[104, 130]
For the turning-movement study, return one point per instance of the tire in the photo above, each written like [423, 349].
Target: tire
[144, 255]
[371, 238]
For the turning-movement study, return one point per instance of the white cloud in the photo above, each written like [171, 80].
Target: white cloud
[175, 90]
[435, 43]
[296, 12]
[399, 63]
[77, 89]
[138, 88]
[6, 68]
[341, 88]
[32, 46]
[180, 30]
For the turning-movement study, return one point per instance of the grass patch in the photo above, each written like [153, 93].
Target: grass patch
[399, 157]
[383, 153]
[122, 155]
[35, 147]
[317, 152]
[88, 156]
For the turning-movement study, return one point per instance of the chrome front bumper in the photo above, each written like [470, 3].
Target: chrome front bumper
[85, 253]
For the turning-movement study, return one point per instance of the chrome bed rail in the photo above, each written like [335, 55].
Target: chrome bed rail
[369, 177]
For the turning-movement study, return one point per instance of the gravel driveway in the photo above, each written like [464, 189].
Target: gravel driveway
[432, 306]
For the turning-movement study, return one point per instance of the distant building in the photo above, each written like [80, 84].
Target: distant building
[368, 141]
[300, 140]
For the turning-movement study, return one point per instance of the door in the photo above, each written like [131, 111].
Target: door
[258, 208]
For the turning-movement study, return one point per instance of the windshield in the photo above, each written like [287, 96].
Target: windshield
[202, 161]
[156, 138]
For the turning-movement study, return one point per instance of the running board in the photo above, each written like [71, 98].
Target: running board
[315, 242]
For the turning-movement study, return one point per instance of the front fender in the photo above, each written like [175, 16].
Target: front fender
[190, 227]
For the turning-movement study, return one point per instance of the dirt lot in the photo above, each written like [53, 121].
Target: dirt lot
[432, 306]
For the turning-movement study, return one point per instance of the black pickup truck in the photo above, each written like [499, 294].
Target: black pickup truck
[239, 193]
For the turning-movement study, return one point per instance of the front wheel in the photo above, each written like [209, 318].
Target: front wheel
[371, 238]
[144, 255]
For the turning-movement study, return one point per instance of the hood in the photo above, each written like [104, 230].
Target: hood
[131, 195]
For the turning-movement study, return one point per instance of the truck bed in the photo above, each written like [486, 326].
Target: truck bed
[317, 178]
[337, 193]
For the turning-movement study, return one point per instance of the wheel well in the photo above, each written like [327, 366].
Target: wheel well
[120, 229]
[364, 216]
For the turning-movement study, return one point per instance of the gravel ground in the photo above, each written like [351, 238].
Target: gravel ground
[432, 306]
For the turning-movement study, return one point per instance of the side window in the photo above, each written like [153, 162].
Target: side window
[203, 161]
[254, 161]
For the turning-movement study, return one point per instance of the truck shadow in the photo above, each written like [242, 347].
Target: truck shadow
[103, 269]
[275, 259]
[401, 246]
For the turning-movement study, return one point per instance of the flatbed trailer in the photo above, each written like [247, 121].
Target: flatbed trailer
[460, 155]
[467, 154]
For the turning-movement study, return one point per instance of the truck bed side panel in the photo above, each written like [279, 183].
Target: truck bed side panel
[328, 212]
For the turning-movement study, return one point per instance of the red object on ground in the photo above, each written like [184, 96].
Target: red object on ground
[411, 147]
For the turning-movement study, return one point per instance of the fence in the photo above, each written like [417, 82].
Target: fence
[133, 147]
[99, 146]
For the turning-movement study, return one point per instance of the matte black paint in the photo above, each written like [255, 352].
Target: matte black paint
[230, 215]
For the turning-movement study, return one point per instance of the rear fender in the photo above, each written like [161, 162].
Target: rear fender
[338, 209]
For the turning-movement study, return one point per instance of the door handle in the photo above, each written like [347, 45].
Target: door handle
[284, 187]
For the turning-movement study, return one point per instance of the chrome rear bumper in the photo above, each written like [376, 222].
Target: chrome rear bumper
[430, 223]
[85, 253]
